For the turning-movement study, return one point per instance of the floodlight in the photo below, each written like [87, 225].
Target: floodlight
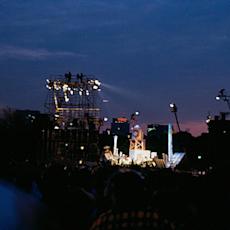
[98, 83]
[173, 108]
[48, 87]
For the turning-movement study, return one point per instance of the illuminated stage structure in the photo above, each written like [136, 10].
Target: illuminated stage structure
[73, 106]
[137, 151]
[138, 155]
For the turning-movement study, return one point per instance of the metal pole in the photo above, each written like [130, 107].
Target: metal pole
[178, 125]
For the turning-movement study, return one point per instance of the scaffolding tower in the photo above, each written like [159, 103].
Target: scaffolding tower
[73, 104]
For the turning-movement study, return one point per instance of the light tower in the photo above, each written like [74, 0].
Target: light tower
[73, 105]
[174, 109]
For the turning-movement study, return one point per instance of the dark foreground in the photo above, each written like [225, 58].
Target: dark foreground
[58, 196]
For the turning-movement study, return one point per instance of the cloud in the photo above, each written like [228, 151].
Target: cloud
[34, 54]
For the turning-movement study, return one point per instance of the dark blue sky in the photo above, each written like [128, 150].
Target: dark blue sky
[151, 51]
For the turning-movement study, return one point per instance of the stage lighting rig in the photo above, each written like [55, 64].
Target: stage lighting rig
[72, 96]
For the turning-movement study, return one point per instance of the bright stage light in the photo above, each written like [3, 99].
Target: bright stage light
[48, 87]
[105, 119]
[137, 113]
[208, 119]
[217, 98]
[95, 87]
[66, 98]
[56, 85]
[65, 87]
[98, 83]
[173, 107]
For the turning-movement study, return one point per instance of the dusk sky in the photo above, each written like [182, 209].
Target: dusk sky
[147, 52]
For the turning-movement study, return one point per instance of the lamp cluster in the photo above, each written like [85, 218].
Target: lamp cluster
[81, 86]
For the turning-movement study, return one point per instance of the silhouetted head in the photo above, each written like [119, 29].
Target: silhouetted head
[126, 190]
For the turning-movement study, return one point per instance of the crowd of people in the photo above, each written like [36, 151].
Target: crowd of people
[62, 196]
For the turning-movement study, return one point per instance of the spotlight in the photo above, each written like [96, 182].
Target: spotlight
[173, 107]
[66, 98]
[137, 113]
[105, 119]
[65, 87]
[48, 87]
[98, 83]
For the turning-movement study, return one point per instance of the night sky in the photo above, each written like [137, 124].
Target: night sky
[147, 52]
